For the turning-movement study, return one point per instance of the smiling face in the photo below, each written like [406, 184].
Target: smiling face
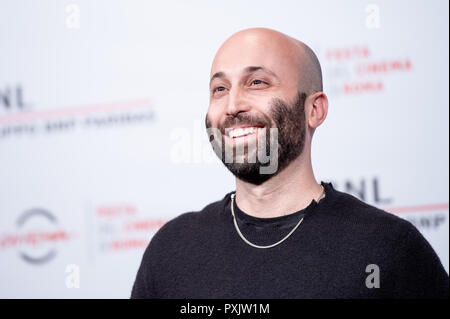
[254, 86]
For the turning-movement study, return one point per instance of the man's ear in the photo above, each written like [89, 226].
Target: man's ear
[318, 109]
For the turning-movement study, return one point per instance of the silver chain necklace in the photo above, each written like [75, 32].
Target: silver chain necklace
[277, 243]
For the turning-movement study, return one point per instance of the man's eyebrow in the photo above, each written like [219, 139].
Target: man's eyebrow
[217, 75]
[252, 69]
[247, 70]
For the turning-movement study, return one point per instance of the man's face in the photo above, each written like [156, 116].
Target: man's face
[254, 85]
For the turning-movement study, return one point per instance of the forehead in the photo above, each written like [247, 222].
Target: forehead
[235, 55]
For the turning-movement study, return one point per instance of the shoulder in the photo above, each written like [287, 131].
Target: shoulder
[356, 211]
[188, 225]
[354, 219]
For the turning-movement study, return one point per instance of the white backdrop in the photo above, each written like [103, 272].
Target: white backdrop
[102, 138]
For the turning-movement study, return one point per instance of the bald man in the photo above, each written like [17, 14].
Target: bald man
[281, 234]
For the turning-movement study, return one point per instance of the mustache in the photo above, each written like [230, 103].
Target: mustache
[241, 119]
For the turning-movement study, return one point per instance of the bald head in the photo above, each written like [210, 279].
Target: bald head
[261, 78]
[289, 58]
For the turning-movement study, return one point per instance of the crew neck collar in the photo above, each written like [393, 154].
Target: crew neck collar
[329, 196]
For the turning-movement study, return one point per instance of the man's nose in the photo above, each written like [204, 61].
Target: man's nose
[237, 102]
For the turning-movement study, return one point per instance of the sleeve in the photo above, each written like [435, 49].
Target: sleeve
[419, 271]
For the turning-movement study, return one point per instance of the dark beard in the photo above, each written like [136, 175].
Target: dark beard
[290, 121]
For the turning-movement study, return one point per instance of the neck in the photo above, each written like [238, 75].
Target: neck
[289, 191]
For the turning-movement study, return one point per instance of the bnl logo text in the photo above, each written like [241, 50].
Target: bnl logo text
[365, 189]
[12, 99]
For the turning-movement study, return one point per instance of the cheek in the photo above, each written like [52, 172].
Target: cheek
[213, 116]
[263, 106]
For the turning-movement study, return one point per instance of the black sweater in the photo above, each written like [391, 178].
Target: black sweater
[200, 255]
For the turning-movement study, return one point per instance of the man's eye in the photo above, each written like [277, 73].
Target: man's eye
[257, 82]
[219, 89]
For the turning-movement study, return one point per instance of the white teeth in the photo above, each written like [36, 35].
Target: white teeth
[242, 131]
